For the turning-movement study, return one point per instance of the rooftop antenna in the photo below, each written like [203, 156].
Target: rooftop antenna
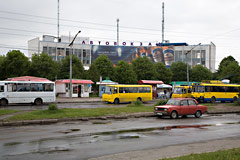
[162, 22]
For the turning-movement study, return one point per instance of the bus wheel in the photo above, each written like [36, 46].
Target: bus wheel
[116, 101]
[38, 101]
[234, 99]
[3, 102]
[213, 100]
[139, 99]
[174, 115]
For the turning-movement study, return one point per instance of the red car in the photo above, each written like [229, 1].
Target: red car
[180, 107]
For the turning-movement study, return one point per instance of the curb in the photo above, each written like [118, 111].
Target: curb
[126, 116]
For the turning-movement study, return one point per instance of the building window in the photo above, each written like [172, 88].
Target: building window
[45, 50]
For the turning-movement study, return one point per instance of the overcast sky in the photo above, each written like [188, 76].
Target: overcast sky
[190, 21]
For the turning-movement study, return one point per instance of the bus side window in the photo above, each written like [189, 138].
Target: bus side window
[1, 88]
[115, 91]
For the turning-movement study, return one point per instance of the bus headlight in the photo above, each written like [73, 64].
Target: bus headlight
[165, 109]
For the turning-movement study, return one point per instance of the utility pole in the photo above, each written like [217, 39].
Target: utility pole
[57, 31]
[71, 48]
[118, 31]
[162, 22]
[187, 63]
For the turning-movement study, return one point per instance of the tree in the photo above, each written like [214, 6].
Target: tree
[124, 73]
[144, 68]
[15, 64]
[44, 66]
[231, 72]
[77, 68]
[225, 62]
[94, 75]
[200, 73]
[162, 73]
[225, 71]
[179, 70]
[104, 66]
[2, 75]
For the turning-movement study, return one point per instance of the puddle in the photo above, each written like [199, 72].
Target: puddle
[100, 122]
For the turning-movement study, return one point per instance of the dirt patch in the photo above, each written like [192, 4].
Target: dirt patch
[224, 108]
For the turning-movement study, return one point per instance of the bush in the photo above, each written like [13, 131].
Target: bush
[161, 102]
[135, 104]
[52, 107]
[237, 102]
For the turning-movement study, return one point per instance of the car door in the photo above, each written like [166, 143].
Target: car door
[184, 109]
[192, 106]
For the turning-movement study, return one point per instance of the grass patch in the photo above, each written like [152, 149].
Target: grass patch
[82, 112]
[219, 155]
[210, 108]
[7, 111]
[208, 104]
[136, 104]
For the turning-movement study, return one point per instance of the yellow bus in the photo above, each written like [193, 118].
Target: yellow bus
[127, 93]
[182, 92]
[212, 92]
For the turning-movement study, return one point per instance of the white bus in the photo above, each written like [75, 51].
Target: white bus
[26, 92]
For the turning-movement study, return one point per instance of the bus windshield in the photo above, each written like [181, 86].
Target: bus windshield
[179, 90]
[108, 90]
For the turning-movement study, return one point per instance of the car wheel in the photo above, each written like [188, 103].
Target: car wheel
[3, 102]
[198, 114]
[174, 115]
[116, 101]
[213, 100]
[38, 101]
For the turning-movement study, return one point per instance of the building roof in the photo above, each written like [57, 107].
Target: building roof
[28, 78]
[74, 81]
[149, 82]
[164, 86]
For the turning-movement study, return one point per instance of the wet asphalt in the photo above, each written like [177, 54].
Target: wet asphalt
[87, 139]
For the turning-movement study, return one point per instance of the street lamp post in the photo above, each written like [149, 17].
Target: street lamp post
[187, 63]
[71, 48]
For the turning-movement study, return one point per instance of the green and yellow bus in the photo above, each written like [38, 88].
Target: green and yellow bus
[127, 93]
[182, 92]
[212, 92]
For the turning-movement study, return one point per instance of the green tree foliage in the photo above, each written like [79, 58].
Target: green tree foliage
[77, 68]
[225, 62]
[179, 70]
[162, 73]
[2, 75]
[104, 66]
[124, 73]
[94, 75]
[44, 66]
[229, 69]
[144, 68]
[15, 64]
[231, 72]
[200, 73]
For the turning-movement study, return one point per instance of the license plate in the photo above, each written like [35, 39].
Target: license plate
[159, 114]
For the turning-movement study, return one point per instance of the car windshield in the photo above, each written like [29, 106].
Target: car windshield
[108, 90]
[173, 102]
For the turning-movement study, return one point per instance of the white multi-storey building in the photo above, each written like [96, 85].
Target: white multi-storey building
[59, 49]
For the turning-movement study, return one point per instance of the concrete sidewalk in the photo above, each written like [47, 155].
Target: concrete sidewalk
[79, 100]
